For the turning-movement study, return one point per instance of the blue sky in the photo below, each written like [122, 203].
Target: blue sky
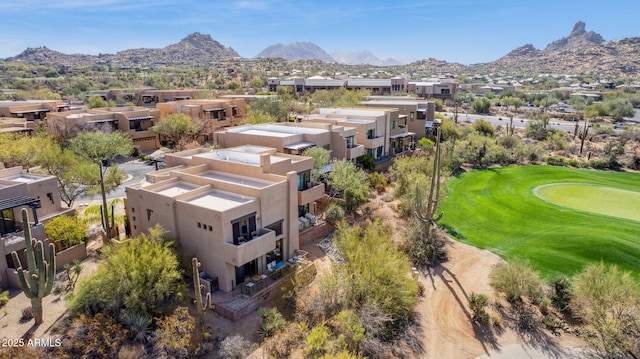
[465, 31]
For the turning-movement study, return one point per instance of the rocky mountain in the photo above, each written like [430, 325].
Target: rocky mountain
[296, 51]
[581, 52]
[195, 49]
[362, 58]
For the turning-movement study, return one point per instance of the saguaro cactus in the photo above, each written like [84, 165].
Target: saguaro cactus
[197, 287]
[41, 273]
[427, 214]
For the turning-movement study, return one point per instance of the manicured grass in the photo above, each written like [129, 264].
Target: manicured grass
[596, 199]
[498, 210]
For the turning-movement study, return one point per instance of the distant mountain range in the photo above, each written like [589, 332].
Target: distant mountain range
[580, 52]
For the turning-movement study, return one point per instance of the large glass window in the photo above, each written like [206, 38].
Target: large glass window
[350, 142]
[303, 180]
[244, 229]
[371, 134]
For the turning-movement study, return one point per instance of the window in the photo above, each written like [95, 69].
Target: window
[133, 210]
[370, 152]
[199, 225]
[379, 152]
[149, 212]
[210, 228]
[303, 180]
[50, 196]
[392, 125]
[350, 142]
[243, 227]
[371, 134]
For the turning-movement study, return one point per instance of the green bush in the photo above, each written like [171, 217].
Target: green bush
[317, 341]
[516, 280]
[561, 293]
[377, 182]
[555, 160]
[484, 127]
[140, 276]
[68, 230]
[478, 305]
[599, 164]
[334, 213]
[4, 298]
[271, 322]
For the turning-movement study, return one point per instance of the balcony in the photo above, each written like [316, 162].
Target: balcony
[262, 242]
[15, 241]
[374, 142]
[355, 152]
[314, 191]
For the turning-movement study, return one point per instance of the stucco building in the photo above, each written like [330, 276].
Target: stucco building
[134, 121]
[415, 114]
[239, 210]
[18, 190]
[295, 138]
[31, 110]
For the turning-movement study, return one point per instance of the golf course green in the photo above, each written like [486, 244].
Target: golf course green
[559, 218]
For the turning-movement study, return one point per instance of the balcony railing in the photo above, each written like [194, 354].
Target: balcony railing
[250, 248]
[355, 152]
[314, 191]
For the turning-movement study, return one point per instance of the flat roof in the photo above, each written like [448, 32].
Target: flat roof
[237, 179]
[219, 200]
[24, 178]
[175, 189]
[357, 120]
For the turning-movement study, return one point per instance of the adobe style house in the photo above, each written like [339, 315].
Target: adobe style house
[37, 193]
[433, 89]
[380, 87]
[415, 114]
[295, 138]
[16, 125]
[134, 121]
[378, 129]
[213, 114]
[152, 97]
[239, 210]
[31, 110]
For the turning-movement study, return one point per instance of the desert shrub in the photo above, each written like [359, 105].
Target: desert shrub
[377, 273]
[478, 305]
[176, 335]
[334, 213]
[561, 293]
[509, 141]
[355, 198]
[99, 336]
[516, 280]
[607, 300]
[426, 144]
[132, 351]
[348, 328]
[67, 230]
[484, 127]
[317, 341]
[281, 345]
[140, 276]
[555, 160]
[377, 182]
[599, 164]
[544, 305]
[367, 162]
[530, 152]
[271, 322]
[496, 320]
[27, 314]
[556, 141]
[423, 246]
[4, 298]
[139, 325]
[634, 163]
[234, 347]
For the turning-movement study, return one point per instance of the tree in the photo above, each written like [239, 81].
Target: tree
[516, 280]
[266, 106]
[98, 101]
[139, 276]
[98, 147]
[257, 117]
[620, 108]
[178, 128]
[481, 105]
[608, 301]
[320, 158]
[75, 175]
[346, 179]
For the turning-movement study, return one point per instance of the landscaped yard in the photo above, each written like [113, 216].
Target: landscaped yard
[548, 215]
